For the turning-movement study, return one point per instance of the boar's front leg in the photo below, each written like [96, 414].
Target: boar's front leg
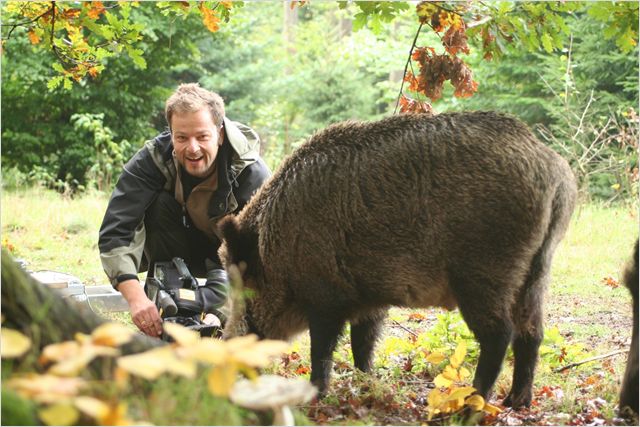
[325, 329]
[364, 334]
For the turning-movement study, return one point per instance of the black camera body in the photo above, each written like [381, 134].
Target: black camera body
[173, 289]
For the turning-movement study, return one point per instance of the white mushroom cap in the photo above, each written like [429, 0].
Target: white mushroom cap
[269, 391]
[275, 393]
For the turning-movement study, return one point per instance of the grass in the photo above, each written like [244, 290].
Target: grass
[54, 233]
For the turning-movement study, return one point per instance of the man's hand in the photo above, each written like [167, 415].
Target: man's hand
[143, 311]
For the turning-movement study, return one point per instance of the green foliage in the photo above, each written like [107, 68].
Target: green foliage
[620, 20]
[288, 86]
[105, 153]
[374, 14]
[17, 411]
[443, 337]
[555, 352]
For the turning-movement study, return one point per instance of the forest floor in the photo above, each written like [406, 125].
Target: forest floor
[587, 315]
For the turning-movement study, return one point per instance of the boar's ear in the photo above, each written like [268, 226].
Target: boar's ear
[242, 244]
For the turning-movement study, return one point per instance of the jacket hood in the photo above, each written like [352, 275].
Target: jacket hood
[243, 139]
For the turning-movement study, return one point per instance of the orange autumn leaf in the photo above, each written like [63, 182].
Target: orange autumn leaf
[97, 9]
[611, 282]
[210, 18]
[302, 370]
[416, 317]
[34, 38]
[297, 3]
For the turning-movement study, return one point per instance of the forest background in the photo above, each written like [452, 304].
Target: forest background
[72, 117]
[289, 70]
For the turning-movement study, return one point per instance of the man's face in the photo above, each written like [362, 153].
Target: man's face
[195, 141]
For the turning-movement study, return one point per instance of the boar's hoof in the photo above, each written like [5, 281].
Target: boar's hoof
[520, 400]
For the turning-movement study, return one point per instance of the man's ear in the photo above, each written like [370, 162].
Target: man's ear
[242, 244]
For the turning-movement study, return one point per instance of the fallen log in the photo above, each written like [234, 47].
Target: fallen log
[44, 316]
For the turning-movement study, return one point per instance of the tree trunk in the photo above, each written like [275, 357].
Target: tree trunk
[43, 315]
[290, 20]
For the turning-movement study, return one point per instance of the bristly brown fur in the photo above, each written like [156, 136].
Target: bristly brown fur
[458, 209]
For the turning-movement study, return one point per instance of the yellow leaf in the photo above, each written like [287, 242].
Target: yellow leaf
[95, 408]
[492, 410]
[237, 343]
[59, 351]
[149, 365]
[435, 358]
[221, 379]
[458, 356]
[13, 343]
[73, 365]
[153, 363]
[45, 388]
[463, 373]
[227, 4]
[260, 354]
[60, 414]
[106, 414]
[206, 350]
[442, 381]
[112, 334]
[182, 335]
[476, 402]
[116, 416]
[82, 338]
[434, 401]
[435, 398]
[185, 368]
[460, 393]
[451, 373]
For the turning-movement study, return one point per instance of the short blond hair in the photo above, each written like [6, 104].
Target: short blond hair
[190, 98]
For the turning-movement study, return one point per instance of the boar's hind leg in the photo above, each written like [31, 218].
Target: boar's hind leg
[364, 334]
[324, 330]
[488, 319]
[527, 318]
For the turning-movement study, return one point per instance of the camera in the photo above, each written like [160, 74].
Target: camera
[178, 297]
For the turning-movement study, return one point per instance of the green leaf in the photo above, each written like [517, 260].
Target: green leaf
[627, 40]
[54, 82]
[58, 67]
[360, 21]
[136, 56]
[376, 24]
[547, 42]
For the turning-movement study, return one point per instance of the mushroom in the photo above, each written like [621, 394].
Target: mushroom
[275, 393]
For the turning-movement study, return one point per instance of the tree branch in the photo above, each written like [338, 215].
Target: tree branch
[406, 66]
[573, 365]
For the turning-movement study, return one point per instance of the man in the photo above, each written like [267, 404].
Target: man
[170, 195]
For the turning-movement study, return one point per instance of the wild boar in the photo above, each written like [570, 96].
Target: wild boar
[629, 391]
[460, 209]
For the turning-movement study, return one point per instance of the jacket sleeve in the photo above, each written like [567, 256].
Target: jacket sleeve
[122, 233]
[249, 181]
